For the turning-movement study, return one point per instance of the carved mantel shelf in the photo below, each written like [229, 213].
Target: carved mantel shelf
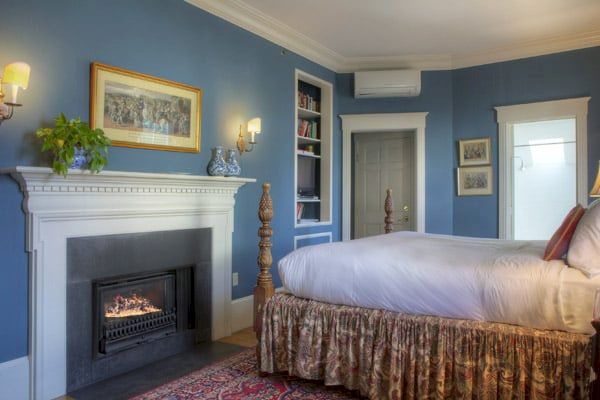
[111, 202]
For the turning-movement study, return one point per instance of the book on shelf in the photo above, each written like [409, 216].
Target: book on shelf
[300, 198]
[299, 209]
[303, 152]
[308, 129]
[308, 102]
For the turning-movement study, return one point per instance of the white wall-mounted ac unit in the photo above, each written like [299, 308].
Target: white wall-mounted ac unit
[397, 83]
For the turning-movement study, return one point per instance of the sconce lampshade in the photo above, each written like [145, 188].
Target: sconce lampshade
[595, 192]
[254, 125]
[254, 129]
[17, 74]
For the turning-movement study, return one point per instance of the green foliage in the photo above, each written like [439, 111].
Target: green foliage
[69, 134]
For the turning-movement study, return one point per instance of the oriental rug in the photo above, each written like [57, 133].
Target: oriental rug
[236, 378]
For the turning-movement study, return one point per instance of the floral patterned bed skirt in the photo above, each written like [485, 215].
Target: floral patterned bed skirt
[388, 355]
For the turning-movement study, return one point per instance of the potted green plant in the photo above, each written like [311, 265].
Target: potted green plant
[74, 145]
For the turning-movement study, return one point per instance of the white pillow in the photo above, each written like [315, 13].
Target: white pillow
[584, 249]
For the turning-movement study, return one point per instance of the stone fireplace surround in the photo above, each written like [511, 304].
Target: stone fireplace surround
[85, 204]
[97, 258]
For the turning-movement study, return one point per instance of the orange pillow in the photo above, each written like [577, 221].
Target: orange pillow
[559, 243]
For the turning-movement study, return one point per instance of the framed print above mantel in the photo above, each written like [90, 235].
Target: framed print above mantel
[474, 151]
[142, 111]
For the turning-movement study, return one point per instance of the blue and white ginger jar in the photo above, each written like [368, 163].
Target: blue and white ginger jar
[233, 166]
[217, 165]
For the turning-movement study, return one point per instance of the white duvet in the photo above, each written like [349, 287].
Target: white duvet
[448, 276]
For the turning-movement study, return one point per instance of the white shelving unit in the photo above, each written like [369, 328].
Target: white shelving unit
[319, 209]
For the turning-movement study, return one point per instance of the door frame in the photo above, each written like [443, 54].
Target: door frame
[507, 117]
[388, 122]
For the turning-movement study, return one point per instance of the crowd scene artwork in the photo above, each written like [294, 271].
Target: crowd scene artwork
[140, 110]
[476, 180]
[475, 151]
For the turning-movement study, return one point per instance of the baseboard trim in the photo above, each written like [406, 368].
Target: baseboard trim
[242, 311]
[14, 379]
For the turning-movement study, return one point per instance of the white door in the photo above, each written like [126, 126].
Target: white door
[544, 176]
[382, 161]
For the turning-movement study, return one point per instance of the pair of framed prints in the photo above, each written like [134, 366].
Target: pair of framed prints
[474, 175]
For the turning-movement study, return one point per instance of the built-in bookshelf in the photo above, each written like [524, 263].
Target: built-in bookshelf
[312, 165]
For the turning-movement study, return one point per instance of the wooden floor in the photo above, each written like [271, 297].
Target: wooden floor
[243, 338]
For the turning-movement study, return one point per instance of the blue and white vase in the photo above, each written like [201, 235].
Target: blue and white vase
[80, 158]
[233, 166]
[217, 165]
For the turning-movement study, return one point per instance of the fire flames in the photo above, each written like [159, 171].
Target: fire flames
[134, 305]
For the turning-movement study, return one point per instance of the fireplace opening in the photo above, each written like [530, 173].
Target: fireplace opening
[133, 310]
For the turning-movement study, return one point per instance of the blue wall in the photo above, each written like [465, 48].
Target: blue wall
[477, 90]
[241, 74]
[435, 98]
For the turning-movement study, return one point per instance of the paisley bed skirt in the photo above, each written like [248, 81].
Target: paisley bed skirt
[389, 355]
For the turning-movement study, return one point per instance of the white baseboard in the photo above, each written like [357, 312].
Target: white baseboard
[242, 312]
[14, 379]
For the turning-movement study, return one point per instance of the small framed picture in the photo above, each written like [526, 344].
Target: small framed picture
[474, 181]
[474, 151]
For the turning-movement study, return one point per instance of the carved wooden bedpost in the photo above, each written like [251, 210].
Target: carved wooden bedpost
[263, 290]
[389, 210]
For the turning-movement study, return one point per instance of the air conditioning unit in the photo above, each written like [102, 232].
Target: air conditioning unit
[398, 83]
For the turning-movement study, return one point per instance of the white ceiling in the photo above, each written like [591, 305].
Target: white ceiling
[358, 34]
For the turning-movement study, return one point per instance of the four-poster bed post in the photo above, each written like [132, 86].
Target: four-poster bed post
[264, 289]
[389, 209]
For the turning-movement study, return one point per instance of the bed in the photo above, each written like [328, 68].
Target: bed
[409, 315]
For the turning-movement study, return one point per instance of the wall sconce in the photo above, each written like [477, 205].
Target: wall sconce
[16, 75]
[254, 127]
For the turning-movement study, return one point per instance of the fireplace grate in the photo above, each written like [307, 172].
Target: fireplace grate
[134, 331]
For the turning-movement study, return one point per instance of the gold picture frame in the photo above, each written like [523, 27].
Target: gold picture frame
[475, 151]
[474, 181]
[142, 111]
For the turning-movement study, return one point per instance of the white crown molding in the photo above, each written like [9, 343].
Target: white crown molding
[253, 20]
[531, 48]
[249, 18]
[420, 62]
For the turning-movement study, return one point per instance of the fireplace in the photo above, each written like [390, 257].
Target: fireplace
[59, 209]
[134, 310]
[133, 299]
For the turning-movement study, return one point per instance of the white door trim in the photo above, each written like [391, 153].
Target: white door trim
[354, 123]
[506, 117]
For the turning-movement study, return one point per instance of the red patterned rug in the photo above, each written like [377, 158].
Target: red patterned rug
[235, 378]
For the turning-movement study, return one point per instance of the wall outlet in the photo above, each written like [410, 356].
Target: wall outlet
[235, 279]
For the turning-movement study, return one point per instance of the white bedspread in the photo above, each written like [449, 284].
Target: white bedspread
[448, 276]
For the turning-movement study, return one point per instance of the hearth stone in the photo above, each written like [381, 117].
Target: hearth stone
[184, 255]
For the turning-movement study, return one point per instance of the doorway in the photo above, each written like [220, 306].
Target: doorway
[542, 166]
[385, 122]
[544, 176]
[382, 160]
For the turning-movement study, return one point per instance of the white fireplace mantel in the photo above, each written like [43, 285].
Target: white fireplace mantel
[111, 202]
